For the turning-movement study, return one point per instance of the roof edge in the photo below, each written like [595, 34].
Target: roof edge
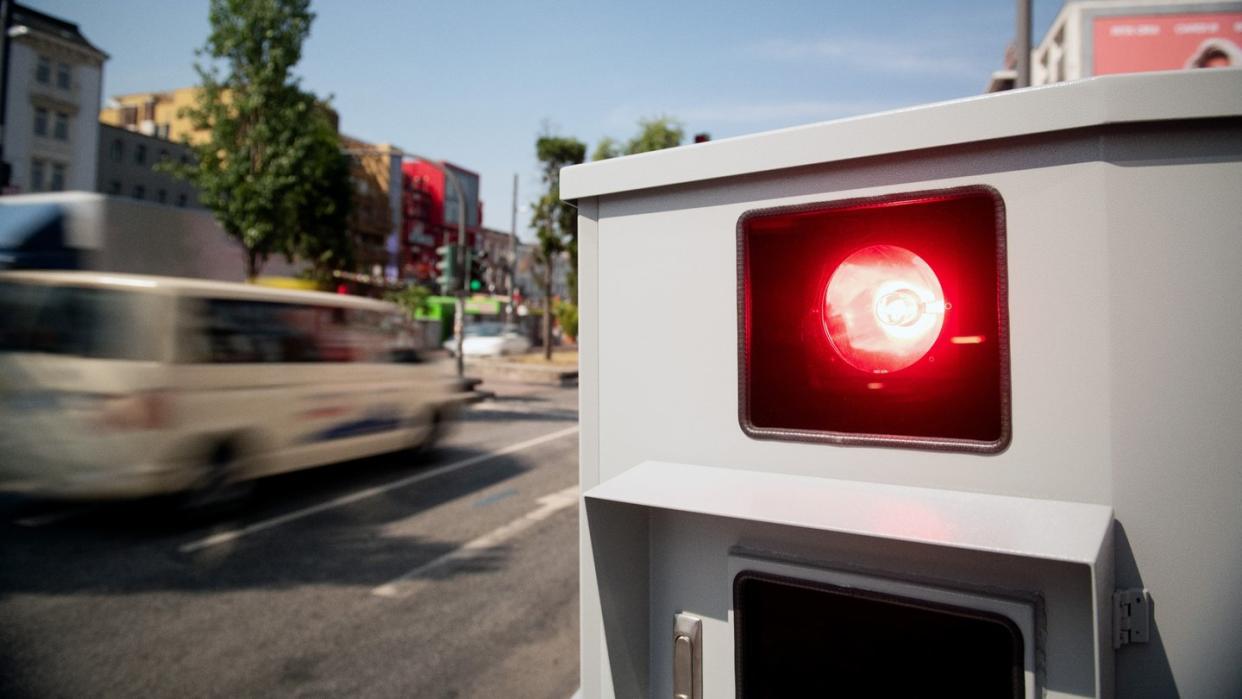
[1112, 99]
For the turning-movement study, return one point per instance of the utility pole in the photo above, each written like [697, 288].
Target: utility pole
[459, 304]
[513, 252]
[1022, 46]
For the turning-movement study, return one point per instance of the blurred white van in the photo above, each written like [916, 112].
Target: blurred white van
[117, 385]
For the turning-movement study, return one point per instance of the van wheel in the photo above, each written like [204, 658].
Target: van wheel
[429, 442]
[218, 489]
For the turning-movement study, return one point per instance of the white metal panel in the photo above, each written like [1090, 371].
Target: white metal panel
[689, 571]
[1123, 256]
[668, 380]
[1175, 241]
[1046, 529]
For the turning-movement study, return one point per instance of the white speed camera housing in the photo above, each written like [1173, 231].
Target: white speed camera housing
[946, 396]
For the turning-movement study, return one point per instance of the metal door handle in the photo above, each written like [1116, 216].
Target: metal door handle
[687, 657]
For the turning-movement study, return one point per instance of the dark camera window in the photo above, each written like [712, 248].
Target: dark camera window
[802, 639]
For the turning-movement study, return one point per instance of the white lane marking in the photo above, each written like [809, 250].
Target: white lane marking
[52, 517]
[235, 534]
[549, 505]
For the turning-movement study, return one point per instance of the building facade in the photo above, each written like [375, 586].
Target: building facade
[52, 89]
[127, 163]
[529, 276]
[1101, 37]
[162, 114]
[157, 114]
[497, 251]
[376, 213]
[430, 211]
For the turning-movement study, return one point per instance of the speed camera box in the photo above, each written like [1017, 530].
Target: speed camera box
[941, 398]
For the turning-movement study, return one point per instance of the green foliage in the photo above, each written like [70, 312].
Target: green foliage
[413, 299]
[271, 170]
[653, 134]
[606, 148]
[555, 222]
[567, 317]
[323, 217]
[656, 134]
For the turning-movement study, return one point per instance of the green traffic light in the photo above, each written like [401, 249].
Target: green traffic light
[475, 285]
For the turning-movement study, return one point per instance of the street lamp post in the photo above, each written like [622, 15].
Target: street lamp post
[513, 251]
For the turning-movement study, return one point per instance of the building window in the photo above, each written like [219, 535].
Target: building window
[140, 154]
[129, 117]
[161, 130]
[163, 155]
[61, 130]
[40, 121]
[43, 71]
[140, 192]
[62, 76]
[37, 169]
[148, 110]
[114, 187]
[181, 199]
[58, 177]
[162, 196]
[117, 151]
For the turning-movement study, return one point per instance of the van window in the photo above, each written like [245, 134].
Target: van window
[232, 331]
[76, 321]
[237, 331]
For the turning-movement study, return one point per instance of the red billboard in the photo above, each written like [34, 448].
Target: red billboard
[1137, 43]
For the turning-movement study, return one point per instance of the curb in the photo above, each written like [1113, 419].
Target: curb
[525, 373]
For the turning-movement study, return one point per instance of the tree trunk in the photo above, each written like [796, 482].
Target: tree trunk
[547, 315]
[254, 263]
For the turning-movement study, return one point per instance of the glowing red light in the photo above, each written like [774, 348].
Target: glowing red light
[883, 309]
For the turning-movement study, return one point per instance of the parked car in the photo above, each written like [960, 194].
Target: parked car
[490, 340]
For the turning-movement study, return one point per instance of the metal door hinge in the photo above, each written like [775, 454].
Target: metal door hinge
[1131, 617]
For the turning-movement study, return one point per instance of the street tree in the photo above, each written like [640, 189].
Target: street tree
[606, 148]
[555, 222]
[656, 134]
[270, 169]
[323, 215]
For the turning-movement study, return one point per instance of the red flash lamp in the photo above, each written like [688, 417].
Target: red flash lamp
[883, 309]
[877, 322]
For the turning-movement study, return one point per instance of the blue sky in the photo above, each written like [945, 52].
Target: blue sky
[473, 82]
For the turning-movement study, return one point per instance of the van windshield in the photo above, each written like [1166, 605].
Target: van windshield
[72, 320]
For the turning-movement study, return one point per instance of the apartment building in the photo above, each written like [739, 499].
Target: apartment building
[52, 91]
[157, 114]
[129, 167]
[374, 219]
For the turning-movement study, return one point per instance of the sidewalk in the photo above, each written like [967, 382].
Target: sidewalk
[523, 368]
[528, 368]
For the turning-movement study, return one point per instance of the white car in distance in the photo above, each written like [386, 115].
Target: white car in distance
[489, 340]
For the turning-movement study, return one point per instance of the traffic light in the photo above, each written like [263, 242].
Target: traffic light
[477, 269]
[450, 273]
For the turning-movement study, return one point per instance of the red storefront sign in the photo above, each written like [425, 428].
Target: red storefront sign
[1166, 42]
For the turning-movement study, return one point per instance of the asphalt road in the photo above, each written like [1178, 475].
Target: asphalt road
[450, 574]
